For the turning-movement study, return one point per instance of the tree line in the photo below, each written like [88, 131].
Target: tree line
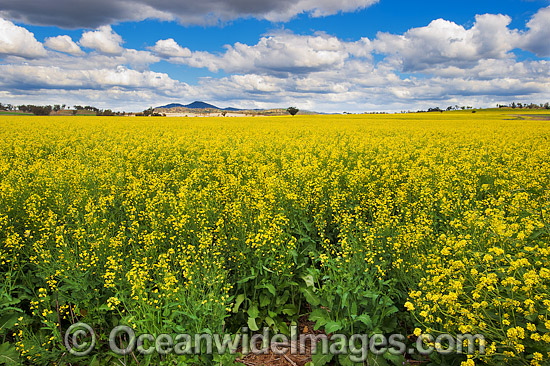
[515, 105]
[46, 110]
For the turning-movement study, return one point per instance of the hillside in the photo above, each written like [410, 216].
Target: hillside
[198, 105]
[204, 108]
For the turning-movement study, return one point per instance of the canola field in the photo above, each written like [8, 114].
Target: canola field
[413, 224]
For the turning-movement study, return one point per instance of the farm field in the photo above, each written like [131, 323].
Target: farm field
[408, 224]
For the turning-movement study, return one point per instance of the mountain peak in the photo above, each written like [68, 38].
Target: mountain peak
[201, 105]
[194, 105]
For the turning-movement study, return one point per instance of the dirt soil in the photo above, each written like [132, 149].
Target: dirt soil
[287, 359]
[536, 117]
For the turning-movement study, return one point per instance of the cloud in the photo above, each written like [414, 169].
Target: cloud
[440, 64]
[92, 14]
[21, 77]
[169, 48]
[444, 43]
[537, 39]
[281, 54]
[104, 40]
[63, 44]
[18, 41]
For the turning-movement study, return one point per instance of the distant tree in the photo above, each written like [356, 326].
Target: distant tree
[150, 112]
[106, 112]
[292, 110]
[546, 105]
[41, 110]
[224, 113]
[91, 108]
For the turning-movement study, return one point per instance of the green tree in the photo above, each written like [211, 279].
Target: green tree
[292, 110]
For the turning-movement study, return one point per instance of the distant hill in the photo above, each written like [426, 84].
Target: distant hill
[203, 108]
[197, 105]
[201, 105]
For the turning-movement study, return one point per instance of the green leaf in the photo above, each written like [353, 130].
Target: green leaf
[310, 296]
[269, 288]
[252, 324]
[345, 360]
[269, 321]
[8, 321]
[332, 327]
[392, 310]
[376, 360]
[8, 354]
[365, 319]
[290, 310]
[395, 359]
[267, 269]
[238, 301]
[104, 307]
[310, 282]
[345, 300]
[283, 328]
[253, 311]
[353, 310]
[320, 317]
[246, 279]
[264, 300]
[320, 359]
[282, 299]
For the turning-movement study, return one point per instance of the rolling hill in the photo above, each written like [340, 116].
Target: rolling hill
[197, 105]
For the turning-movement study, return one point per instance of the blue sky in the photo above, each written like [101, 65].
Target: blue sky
[326, 55]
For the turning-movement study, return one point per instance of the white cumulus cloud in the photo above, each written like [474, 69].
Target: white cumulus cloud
[169, 48]
[537, 39]
[63, 44]
[104, 40]
[444, 43]
[18, 41]
[280, 53]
